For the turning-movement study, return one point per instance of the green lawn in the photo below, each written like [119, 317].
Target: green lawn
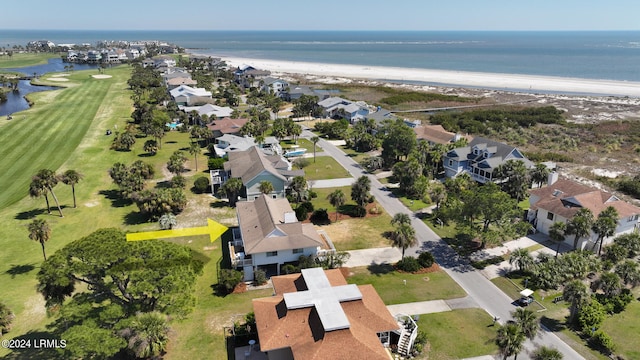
[356, 156]
[458, 334]
[325, 167]
[26, 59]
[302, 143]
[419, 287]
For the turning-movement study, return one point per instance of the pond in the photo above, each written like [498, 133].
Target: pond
[16, 101]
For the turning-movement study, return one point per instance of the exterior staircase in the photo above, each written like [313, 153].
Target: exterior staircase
[404, 342]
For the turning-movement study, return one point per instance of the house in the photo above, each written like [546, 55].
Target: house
[561, 199]
[187, 95]
[317, 315]
[277, 87]
[436, 134]
[269, 236]
[380, 116]
[177, 81]
[133, 54]
[480, 158]
[212, 111]
[94, 56]
[247, 76]
[341, 108]
[296, 91]
[253, 166]
[226, 125]
[229, 143]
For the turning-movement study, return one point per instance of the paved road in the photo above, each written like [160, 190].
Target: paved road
[484, 292]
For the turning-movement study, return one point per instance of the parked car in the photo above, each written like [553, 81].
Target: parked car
[526, 297]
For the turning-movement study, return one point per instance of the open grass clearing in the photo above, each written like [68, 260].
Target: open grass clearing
[25, 59]
[419, 287]
[458, 334]
[325, 167]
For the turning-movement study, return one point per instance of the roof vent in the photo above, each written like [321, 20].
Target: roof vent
[556, 193]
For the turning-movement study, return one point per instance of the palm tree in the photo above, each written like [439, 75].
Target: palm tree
[580, 225]
[232, 189]
[265, 187]
[539, 174]
[545, 353]
[150, 146]
[167, 221]
[400, 219]
[40, 231]
[314, 140]
[337, 199]
[521, 258]
[557, 233]
[605, 226]
[403, 237]
[510, 340]
[298, 184]
[194, 149]
[528, 322]
[47, 179]
[610, 284]
[147, 335]
[577, 294]
[37, 189]
[629, 272]
[71, 177]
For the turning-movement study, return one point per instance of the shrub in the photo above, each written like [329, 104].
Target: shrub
[320, 217]
[375, 210]
[602, 342]
[6, 318]
[301, 213]
[216, 163]
[201, 184]
[408, 264]
[484, 263]
[307, 206]
[259, 277]
[425, 259]
[312, 194]
[289, 269]
[178, 182]
[591, 316]
[229, 279]
[301, 163]
[359, 211]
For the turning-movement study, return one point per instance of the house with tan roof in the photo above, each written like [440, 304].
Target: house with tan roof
[480, 159]
[561, 199]
[187, 95]
[269, 236]
[318, 315]
[436, 134]
[212, 111]
[226, 125]
[337, 107]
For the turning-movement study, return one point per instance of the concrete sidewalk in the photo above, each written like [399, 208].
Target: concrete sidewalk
[321, 184]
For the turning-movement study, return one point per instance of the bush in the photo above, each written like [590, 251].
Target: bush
[216, 163]
[201, 184]
[591, 316]
[484, 263]
[602, 342]
[301, 213]
[259, 277]
[408, 264]
[320, 217]
[312, 194]
[425, 259]
[229, 279]
[307, 206]
[301, 163]
[359, 211]
[375, 210]
[289, 269]
[178, 182]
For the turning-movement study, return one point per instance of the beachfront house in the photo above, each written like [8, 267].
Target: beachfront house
[275, 86]
[296, 91]
[253, 166]
[247, 76]
[187, 95]
[317, 315]
[227, 125]
[562, 198]
[269, 236]
[480, 159]
[339, 108]
[436, 134]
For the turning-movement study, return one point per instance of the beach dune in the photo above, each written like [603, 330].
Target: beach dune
[510, 82]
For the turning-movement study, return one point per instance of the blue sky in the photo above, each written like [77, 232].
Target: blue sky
[322, 15]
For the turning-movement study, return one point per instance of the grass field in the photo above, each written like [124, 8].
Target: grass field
[459, 334]
[325, 167]
[419, 287]
[26, 59]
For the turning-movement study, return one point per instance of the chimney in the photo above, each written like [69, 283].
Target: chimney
[552, 178]
[290, 217]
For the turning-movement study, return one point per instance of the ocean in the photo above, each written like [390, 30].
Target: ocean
[607, 55]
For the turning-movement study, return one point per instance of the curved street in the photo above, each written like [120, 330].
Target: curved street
[484, 292]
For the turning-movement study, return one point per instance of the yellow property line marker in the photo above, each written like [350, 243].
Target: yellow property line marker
[213, 228]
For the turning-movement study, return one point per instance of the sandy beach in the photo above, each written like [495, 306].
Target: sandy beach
[510, 82]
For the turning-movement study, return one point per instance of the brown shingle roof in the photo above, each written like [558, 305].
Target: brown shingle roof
[250, 163]
[263, 227]
[227, 125]
[182, 81]
[301, 330]
[436, 134]
[565, 197]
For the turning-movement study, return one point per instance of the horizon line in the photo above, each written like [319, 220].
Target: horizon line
[333, 30]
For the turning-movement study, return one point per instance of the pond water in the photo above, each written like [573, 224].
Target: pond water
[16, 101]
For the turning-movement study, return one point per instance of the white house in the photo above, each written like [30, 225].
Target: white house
[186, 95]
[277, 87]
[561, 199]
[270, 235]
[212, 111]
[339, 107]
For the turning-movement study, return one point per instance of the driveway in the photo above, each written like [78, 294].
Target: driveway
[483, 291]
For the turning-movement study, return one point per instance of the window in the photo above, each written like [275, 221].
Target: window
[297, 251]
[272, 253]
[450, 162]
[549, 216]
[274, 196]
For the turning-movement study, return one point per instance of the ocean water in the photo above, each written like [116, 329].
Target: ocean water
[611, 55]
